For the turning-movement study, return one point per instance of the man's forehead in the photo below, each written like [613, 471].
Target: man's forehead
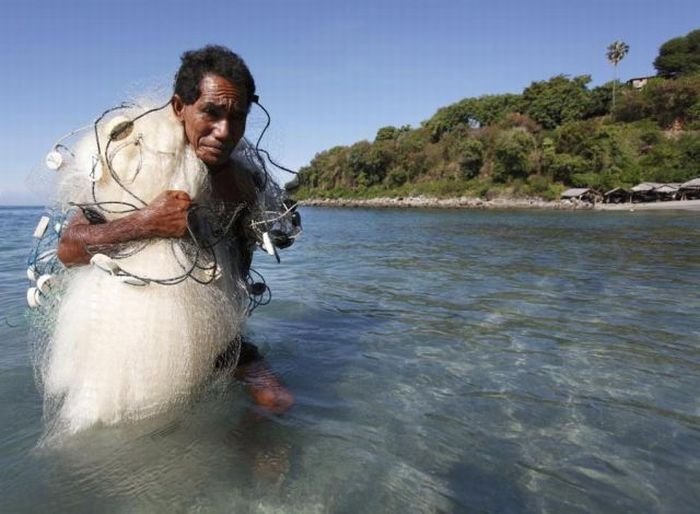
[220, 91]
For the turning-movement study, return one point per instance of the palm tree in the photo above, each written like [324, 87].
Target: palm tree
[616, 52]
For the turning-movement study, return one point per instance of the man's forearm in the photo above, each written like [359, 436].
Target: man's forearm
[165, 216]
[81, 240]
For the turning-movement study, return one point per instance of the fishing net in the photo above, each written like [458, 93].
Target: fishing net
[138, 330]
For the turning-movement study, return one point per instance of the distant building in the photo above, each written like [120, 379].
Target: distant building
[667, 192]
[690, 190]
[644, 192]
[638, 82]
[655, 192]
[617, 195]
[583, 194]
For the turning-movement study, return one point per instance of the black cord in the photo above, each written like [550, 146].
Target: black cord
[123, 105]
[267, 154]
[108, 159]
[239, 208]
[257, 300]
[261, 161]
[260, 151]
[113, 173]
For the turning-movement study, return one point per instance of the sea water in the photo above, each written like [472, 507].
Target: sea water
[442, 361]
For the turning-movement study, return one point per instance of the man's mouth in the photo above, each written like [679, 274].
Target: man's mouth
[214, 151]
[213, 148]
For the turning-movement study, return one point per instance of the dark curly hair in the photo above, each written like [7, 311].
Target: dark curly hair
[211, 60]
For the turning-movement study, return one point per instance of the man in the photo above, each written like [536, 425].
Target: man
[212, 96]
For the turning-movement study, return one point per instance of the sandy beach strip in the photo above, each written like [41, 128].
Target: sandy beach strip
[427, 202]
[448, 203]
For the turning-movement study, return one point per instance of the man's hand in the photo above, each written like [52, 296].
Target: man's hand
[166, 215]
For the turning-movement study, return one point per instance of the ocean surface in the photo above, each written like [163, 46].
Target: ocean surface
[442, 361]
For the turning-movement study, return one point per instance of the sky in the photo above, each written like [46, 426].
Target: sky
[330, 72]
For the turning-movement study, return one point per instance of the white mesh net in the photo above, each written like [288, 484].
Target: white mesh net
[138, 331]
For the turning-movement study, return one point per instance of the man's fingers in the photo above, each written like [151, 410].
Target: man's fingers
[180, 195]
[178, 200]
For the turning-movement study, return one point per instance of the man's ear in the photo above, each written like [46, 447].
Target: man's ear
[178, 107]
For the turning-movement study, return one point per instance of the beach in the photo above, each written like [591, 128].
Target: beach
[463, 202]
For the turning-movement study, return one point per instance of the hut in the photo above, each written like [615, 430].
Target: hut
[617, 195]
[644, 192]
[582, 194]
[690, 190]
[667, 192]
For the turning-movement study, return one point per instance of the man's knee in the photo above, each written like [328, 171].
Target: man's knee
[277, 399]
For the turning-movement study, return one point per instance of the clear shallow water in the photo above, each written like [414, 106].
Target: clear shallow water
[443, 361]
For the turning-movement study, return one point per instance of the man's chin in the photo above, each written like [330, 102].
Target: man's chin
[213, 160]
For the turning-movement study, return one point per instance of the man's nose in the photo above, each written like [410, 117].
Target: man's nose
[222, 130]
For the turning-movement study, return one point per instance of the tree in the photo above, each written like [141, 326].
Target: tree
[386, 134]
[557, 100]
[672, 100]
[368, 163]
[615, 53]
[511, 151]
[601, 100]
[679, 56]
[471, 157]
[473, 113]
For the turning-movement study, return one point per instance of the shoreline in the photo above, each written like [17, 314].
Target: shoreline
[463, 202]
[428, 202]
[671, 205]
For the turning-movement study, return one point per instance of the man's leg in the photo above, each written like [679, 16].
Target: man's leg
[263, 386]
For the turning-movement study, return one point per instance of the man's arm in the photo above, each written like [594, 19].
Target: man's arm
[166, 216]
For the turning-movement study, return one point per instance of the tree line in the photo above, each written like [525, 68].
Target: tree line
[556, 133]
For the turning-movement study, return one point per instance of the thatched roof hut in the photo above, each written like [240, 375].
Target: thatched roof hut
[691, 184]
[617, 195]
[646, 187]
[668, 188]
[690, 190]
[583, 194]
[667, 192]
[649, 192]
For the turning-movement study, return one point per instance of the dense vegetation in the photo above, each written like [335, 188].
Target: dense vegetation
[555, 134]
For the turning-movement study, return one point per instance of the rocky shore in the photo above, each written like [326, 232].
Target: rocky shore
[449, 203]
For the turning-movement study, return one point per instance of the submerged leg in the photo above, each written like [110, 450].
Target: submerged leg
[263, 385]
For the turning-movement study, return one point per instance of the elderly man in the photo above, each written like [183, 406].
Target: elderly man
[213, 94]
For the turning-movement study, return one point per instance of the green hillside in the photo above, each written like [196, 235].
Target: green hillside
[555, 134]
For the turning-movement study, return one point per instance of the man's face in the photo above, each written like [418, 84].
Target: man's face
[215, 123]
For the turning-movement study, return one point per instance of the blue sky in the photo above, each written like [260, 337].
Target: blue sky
[329, 72]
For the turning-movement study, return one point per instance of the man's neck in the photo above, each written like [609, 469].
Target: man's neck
[215, 170]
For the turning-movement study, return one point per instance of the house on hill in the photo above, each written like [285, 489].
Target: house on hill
[638, 82]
